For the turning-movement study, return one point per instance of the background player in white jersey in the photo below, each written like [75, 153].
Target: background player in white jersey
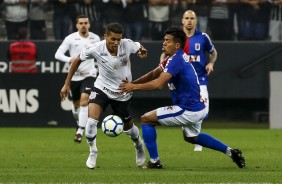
[197, 45]
[112, 55]
[83, 79]
[188, 109]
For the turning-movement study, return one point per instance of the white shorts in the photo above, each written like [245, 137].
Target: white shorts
[175, 116]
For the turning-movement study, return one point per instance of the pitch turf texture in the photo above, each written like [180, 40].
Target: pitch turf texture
[49, 155]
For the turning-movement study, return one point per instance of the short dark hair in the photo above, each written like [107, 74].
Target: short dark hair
[178, 35]
[81, 17]
[114, 28]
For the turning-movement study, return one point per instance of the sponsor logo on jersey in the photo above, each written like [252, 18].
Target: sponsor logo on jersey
[192, 58]
[103, 54]
[113, 92]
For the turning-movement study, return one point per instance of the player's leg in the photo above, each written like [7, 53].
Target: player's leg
[95, 111]
[83, 116]
[205, 97]
[122, 109]
[75, 110]
[149, 121]
[97, 102]
[75, 97]
[192, 134]
[85, 90]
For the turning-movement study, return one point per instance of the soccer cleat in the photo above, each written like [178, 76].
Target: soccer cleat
[78, 138]
[140, 153]
[91, 161]
[238, 158]
[156, 165]
[198, 147]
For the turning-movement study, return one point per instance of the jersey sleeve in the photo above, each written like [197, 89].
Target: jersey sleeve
[164, 62]
[132, 46]
[174, 65]
[208, 43]
[88, 52]
[63, 48]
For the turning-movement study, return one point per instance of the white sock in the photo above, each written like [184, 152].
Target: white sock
[75, 113]
[133, 133]
[154, 160]
[80, 130]
[83, 117]
[93, 147]
[228, 151]
[91, 132]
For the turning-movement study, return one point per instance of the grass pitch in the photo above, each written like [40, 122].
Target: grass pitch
[49, 155]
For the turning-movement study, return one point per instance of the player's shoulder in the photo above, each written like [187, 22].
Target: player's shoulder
[129, 44]
[93, 36]
[99, 45]
[71, 36]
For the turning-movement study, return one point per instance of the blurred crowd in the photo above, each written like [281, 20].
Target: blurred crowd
[146, 19]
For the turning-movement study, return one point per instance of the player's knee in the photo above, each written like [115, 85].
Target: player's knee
[144, 118]
[191, 140]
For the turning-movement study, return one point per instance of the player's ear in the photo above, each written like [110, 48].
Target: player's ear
[177, 46]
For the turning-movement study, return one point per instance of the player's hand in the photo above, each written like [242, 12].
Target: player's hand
[64, 92]
[209, 68]
[142, 52]
[126, 86]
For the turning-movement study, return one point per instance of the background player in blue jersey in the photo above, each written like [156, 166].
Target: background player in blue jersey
[188, 109]
[197, 46]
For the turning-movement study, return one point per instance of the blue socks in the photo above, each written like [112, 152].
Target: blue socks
[150, 139]
[210, 142]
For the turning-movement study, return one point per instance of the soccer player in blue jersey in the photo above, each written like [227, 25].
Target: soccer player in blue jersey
[197, 45]
[188, 108]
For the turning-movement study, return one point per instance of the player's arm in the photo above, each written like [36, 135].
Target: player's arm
[60, 54]
[163, 57]
[155, 84]
[212, 59]
[66, 88]
[149, 76]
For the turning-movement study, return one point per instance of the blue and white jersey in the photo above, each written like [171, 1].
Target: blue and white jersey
[184, 85]
[196, 48]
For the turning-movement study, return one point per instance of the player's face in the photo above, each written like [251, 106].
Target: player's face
[83, 25]
[169, 46]
[112, 41]
[189, 20]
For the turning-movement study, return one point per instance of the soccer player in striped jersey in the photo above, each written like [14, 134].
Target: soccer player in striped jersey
[188, 108]
[83, 79]
[113, 58]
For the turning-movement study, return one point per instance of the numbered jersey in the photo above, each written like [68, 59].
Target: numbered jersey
[74, 43]
[112, 69]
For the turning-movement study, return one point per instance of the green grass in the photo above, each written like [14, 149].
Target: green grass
[49, 155]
